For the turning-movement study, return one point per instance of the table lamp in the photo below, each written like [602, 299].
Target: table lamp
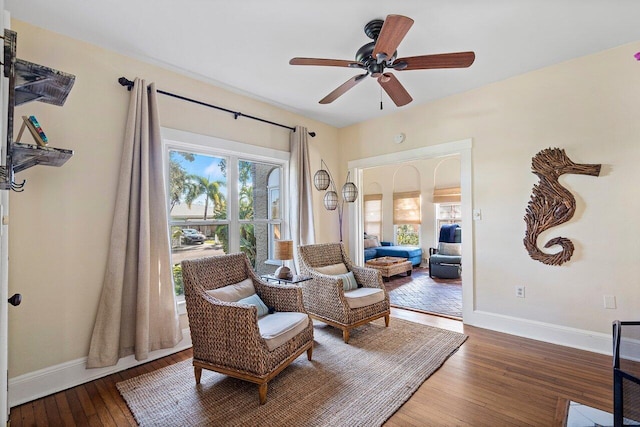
[283, 252]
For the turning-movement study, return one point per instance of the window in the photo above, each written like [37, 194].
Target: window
[221, 201]
[447, 213]
[447, 202]
[407, 218]
[373, 215]
[258, 210]
[273, 200]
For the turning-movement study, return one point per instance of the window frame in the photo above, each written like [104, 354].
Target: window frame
[367, 198]
[438, 221]
[234, 152]
[399, 219]
[395, 233]
[270, 222]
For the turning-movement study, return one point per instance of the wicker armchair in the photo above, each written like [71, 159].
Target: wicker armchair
[325, 298]
[226, 336]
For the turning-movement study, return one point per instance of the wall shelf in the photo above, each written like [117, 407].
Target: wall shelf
[30, 82]
[25, 156]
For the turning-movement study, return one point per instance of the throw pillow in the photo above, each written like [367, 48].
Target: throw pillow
[450, 249]
[348, 281]
[333, 269]
[255, 300]
[370, 243]
[234, 292]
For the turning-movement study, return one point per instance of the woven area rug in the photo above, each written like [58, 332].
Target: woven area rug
[357, 384]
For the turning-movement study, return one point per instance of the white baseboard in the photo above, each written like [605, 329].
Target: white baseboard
[555, 334]
[37, 384]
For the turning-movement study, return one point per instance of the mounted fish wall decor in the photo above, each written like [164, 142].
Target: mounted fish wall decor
[551, 204]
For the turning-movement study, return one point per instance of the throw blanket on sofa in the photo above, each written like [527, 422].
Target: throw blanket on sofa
[448, 232]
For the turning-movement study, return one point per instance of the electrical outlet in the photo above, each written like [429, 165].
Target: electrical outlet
[520, 291]
[610, 301]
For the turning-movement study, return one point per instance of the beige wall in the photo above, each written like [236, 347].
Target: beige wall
[60, 224]
[588, 106]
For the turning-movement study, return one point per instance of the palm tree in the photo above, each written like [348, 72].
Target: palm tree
[197, 186]
[177, 176]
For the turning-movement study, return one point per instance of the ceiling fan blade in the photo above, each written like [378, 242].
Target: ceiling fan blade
[340, 90]
[394, 89]
[325, 62]
[393, 30]
[442, 60]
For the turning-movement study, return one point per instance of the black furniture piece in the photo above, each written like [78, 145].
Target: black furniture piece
[626, 369]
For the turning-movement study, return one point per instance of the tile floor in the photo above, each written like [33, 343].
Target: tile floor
[420, 292]
[586, 416]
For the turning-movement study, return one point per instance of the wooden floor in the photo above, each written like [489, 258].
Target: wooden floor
[493, 380]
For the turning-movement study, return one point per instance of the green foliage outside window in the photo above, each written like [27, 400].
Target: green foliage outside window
[189, 188]
[407, 234]
[177, 279]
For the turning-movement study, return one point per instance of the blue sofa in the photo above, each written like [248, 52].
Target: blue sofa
[412, 253]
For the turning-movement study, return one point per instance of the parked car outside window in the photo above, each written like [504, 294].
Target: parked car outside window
[192, 236]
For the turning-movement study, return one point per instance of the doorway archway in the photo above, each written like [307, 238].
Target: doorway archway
[463, 149]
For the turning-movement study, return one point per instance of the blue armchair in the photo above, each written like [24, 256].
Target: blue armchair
[446, 261]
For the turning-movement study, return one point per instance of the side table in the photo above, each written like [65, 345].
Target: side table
[293, 280]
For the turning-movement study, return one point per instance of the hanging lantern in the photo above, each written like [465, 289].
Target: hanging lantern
[331, 200]
[349, 192]
[321, 180]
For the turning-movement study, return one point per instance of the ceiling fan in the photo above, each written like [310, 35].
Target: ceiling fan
[376, 56]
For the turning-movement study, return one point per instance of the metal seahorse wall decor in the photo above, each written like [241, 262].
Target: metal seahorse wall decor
[551, 204]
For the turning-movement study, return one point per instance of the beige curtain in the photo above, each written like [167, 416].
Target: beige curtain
[137, 312]
[300, 194]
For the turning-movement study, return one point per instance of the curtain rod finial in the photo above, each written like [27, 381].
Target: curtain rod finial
[125, 82]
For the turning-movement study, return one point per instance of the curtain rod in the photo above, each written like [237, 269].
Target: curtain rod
[129, 84]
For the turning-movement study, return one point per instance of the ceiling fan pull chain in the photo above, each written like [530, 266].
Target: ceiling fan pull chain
[380, 98]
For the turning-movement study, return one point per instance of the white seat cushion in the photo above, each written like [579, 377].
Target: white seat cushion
[362, 297]
[280, 327]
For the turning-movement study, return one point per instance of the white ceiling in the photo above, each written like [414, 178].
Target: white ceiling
[245, 45]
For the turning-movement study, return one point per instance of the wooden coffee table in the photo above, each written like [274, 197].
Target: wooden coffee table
[390, 266]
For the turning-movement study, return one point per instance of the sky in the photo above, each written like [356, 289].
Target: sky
[206, 166]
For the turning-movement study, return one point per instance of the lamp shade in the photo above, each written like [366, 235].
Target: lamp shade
[349, 192]
[321, 180]
[283, 250]
[331, 200]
